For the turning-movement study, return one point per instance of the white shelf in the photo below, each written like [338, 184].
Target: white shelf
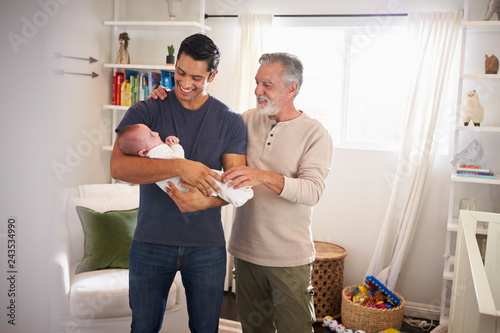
[107, 148]
[485, 129]
[475, 180]
[159, 25]
[140, 66]
[480, 76]
[482, 25]
[115, 107]
[454, 227]
[474, 28]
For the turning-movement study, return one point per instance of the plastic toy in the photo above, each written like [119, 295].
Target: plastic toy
[333, 325]
[375, 285]
[360, 293]
[390, 330]
[374, 300]
[348, 330]
[360, 331]
[327, 320]
[340, 328]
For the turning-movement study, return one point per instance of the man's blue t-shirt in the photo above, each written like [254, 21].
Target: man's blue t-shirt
[205, 134]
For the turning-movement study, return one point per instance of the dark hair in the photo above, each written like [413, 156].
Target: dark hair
[125, 142]
[291, 63]
[200, 47]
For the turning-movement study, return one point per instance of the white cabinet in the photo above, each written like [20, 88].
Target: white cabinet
[149, 39]
[478, 38]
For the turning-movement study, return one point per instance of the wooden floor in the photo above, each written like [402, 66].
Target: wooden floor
[228, 311]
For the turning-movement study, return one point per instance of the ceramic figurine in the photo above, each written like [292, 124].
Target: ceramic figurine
[173, 7]
[472, 109]
[123, 55]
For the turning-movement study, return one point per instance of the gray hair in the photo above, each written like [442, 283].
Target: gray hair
[292, 64]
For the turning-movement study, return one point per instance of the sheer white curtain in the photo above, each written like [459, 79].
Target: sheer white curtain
[254, 33]
[433, 37]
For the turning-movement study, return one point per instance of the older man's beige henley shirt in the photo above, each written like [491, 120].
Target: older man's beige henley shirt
[275, 230]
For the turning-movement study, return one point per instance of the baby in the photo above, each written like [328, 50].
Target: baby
[140, 140]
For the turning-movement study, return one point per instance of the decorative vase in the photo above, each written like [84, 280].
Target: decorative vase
[173, 7]
[170, 60]
[467, 204]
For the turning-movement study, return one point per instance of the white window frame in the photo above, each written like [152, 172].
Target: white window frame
[350, 27]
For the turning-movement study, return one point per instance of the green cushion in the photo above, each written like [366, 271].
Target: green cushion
[108, 237]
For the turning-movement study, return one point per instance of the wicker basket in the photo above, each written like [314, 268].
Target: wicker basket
[327, 279]
[370, 320]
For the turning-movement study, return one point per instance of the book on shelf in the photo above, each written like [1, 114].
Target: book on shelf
[472, 168]
[474, 171]
[167, 79]
[154, 80]
[131, 86]
[125, 94]
[476, 176]
[117, 88]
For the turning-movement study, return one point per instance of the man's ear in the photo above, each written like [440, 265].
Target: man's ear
[292, 88]
[212, 76]
[142, 152]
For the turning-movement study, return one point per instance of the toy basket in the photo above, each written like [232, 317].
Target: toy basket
[370, 320]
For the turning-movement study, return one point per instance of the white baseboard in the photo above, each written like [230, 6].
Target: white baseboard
[425, 311]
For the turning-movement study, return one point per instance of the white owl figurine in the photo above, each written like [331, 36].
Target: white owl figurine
[472, 109]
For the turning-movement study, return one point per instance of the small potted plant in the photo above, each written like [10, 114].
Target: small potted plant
[170, 57]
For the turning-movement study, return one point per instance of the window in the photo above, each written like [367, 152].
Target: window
[355, 83]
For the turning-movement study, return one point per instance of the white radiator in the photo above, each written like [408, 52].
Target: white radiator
[475, 298]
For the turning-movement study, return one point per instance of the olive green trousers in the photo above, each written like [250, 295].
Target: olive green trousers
[271, 299]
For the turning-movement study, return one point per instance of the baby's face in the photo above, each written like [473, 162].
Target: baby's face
[149, 138]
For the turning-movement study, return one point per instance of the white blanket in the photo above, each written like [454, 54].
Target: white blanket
[235, 197]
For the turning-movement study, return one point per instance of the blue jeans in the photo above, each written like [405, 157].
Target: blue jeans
[152, 271]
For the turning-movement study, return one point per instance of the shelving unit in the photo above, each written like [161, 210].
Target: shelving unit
[144, 26]
[475, 32]
[160, 25]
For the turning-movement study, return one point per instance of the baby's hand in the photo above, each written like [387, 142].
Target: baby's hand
[171, 140]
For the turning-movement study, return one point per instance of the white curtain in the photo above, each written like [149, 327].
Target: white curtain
[227, 216]
[254, 33]
[433, 37]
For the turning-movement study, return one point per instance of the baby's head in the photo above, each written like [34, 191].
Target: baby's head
[137, 140]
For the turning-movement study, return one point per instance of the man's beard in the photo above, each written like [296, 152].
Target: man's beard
[271, 107]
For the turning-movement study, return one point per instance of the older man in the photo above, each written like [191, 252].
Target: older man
[289, 157]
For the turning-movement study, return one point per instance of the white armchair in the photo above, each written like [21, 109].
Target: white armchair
[97, 301]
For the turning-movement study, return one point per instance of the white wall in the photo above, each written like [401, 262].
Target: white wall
[352, 209]
[85, 126]
[42, 117]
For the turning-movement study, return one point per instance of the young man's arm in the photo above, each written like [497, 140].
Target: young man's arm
[194, 200]
[142, 170]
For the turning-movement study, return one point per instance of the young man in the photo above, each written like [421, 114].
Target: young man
[167, 239]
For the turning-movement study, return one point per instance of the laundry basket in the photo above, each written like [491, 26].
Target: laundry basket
[370, 320]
